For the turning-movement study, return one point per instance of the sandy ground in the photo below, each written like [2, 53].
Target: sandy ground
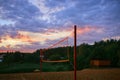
[86, 74]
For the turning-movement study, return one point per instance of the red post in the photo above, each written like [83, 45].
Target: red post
[41, 56]
[75, 41]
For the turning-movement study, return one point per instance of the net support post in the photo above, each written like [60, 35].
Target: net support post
[75, 41]
[41, 54]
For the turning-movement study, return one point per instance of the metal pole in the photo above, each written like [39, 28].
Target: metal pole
[75, 41]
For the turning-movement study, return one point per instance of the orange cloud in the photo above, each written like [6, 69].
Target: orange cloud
[27, 37]
[10, 42]
[8, 46]
[24, 38]
[87, 29]
[42, 37]
[0, 41]
[31, 36]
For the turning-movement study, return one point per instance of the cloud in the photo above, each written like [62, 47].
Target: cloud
[22, 13]
[41, 13]
[9, 42]
[89, 34]
[38, 22]
[99, 12]
[0, 40]
[47, 12]
[88, 29]
[27, 38]
[17, 9]
[43, 37]
[114, 37]
[6, 22]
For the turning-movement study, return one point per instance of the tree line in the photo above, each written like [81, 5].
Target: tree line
[19, 57]
[102, 50]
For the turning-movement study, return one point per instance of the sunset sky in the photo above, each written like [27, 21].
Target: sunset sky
[27, 25]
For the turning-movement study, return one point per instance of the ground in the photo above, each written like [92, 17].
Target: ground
[86, 74]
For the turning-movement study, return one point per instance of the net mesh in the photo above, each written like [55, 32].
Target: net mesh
[58, 52]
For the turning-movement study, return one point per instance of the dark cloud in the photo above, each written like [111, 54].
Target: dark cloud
[7, 29]
[99, 12]
[23, 13]
[31, 25]
[87, 12]
[28, 17]
[17, 9]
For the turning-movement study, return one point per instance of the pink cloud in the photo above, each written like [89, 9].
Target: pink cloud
[26, 38]
[87, 29]
[0, 40]
[11, 42]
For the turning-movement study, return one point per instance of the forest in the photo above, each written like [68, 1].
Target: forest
[27, 62]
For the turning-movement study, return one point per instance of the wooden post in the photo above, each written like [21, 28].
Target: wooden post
[41, 56]
[75, 41]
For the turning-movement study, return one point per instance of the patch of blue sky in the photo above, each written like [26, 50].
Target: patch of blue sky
[6, 22]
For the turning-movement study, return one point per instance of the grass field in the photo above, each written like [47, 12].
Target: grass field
[86, 74]
[17, 67]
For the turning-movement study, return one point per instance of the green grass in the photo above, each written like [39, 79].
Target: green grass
[30, 67]
[18, 67]
[50, 67]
